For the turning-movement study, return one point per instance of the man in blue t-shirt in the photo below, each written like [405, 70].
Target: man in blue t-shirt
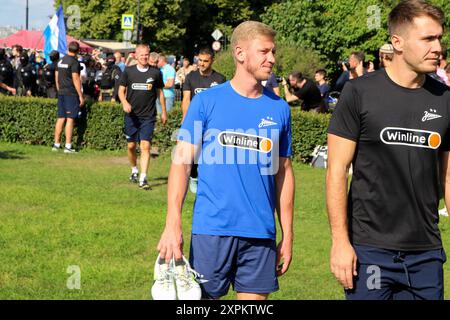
[241, 133]
[169, 74]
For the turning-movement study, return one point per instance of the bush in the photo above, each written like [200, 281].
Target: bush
[32, 121]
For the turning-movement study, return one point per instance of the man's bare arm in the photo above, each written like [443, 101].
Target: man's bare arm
[77, 84]
[285, 186]
[185, 103]
[343, 257]
[171, 242]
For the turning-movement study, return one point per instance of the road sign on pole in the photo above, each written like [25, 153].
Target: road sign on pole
[128, 21]
[216, 46]
[217, 34]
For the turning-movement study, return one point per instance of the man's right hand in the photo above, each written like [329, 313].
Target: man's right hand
[127, 107]
[81, 101]
[343, 263]
[171, 244]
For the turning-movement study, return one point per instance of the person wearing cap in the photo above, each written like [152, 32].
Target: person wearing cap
[386, 54]
[109, 84]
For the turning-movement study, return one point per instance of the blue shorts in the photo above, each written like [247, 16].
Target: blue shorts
[248, 264]
[137, 129]
[398, 275]
[68, 106]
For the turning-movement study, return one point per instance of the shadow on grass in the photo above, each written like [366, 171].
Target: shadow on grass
[160, 181]
[12, 154]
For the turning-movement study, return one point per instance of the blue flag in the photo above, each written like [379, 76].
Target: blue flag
[55, 35]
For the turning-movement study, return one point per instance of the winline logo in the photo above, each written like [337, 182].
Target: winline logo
[245, 141]
[411, 137]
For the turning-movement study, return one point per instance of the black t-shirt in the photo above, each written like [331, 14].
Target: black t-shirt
[6, 74]
[310, 95]
[48, 75]
[394, 194]
[66, 66]
[196, 83]
[142, 90]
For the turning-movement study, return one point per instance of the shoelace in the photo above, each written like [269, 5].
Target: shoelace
[188, 277]
[166, 278]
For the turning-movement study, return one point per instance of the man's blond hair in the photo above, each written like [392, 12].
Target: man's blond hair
[250, 30]
[143, 46]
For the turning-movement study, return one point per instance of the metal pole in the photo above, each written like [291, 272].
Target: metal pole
[26, 17]
[139, 22]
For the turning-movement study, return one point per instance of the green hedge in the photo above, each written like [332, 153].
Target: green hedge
[32, 121]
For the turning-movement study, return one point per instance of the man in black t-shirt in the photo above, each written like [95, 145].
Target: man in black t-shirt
[197, 81]
[70, 96]
[306, 90]
[393, 125]
[139, 87]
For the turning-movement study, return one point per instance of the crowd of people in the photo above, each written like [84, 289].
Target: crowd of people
[28, 73]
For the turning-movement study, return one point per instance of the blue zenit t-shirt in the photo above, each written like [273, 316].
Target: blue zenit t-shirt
[241, 140]
[168, 72]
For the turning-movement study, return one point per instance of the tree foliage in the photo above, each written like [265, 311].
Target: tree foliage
[335, 28]
[176, 26]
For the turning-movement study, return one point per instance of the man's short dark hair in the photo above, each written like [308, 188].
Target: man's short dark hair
[359, 55]
[207, 50]
[54, 56]
[297, 75]
[2, 54]
[74, 47]
[406, 11]
[322, 72]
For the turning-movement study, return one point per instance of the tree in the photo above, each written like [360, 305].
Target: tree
[334, 28]
[175, 26]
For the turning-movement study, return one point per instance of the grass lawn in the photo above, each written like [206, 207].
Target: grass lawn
[60, 210]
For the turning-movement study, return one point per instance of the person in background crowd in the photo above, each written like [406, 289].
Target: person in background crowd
[26, 77]
[109, 84]
[306, 90]
[322, 84]
[49, 75]
[355, 70]
[6, 75]
[447, 71]
[118, 61]
[169, 74]
[271, 84]
[441, 67]
[183, 71]
[70, 96]
[153, 59]
[386, 54]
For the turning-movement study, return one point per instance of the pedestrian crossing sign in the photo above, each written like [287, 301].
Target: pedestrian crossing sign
[127, 21]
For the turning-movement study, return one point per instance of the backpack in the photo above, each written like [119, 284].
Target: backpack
[320, 157]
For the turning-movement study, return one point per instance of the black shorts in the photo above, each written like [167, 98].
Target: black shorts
[137, 129]
[68, 106]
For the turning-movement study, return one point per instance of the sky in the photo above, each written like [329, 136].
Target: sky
[12, 13]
